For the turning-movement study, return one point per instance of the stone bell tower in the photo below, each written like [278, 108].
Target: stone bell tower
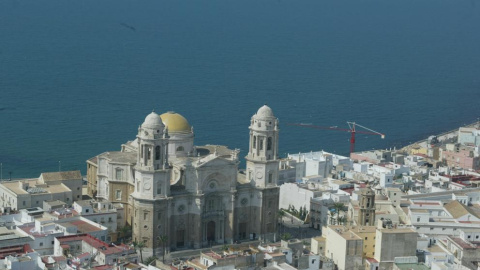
[152, 180]
[366, 215]
[262, 171]
[262, 158]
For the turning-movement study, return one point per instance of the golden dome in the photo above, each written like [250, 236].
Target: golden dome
[175, 122]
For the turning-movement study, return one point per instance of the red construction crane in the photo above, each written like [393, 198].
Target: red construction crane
[352, 129]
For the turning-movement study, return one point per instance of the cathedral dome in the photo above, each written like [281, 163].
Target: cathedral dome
[265, 112]
[175, 122]
[152, 121]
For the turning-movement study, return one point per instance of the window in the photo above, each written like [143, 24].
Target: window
[159, 190]
[431, 228]
[41, 244]
[366, 238]
[180, 149]
[145, 216]
[418, 219]
[210, 205]
[159, 215]
[254, 142]
[23, 202]
[157, 153]
[118, 194]
[87, 210]
[269, 143]
[118, 174]
[270, 178]
[260, 144]
[149, 153]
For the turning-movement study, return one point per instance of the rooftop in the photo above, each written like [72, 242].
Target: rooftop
[59, 176]
[457, 209]
[120, 157]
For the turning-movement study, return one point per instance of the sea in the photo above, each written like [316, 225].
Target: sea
[77, 77]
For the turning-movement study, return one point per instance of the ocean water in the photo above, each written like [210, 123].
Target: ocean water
[78, 77]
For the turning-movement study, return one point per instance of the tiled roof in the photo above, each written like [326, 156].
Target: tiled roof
[57, 176]
[457, 210]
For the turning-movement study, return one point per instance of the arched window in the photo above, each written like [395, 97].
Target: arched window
[157, 152]
[269, 143]
[254, 142]
[149, 153]
[180, 149]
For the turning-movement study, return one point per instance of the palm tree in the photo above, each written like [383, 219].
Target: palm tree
[150, 260]
[135, 245]
[338, 207]
[162, 240]
[141, 246]
[124, 231]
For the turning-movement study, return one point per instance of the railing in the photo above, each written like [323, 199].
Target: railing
[213, 213]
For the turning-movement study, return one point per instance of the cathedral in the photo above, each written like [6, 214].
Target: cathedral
[194, 195]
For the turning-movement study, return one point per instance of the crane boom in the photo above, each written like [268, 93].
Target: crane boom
[352, 129]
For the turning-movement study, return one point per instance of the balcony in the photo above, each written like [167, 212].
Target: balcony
[215, 213]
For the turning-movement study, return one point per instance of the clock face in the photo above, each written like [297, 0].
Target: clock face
[259, 175]
[147, 186]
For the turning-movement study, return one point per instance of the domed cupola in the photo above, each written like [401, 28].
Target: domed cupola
[181, 135]
[264, 112]
[263, 148]
[153, 121]
[152, 141]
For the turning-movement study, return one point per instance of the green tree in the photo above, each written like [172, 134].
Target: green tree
[285, 236]
[225, 248]
[300, 213]
[338, 208]
[124, 231]
[150, 260]
[140, 247]
[163, 240]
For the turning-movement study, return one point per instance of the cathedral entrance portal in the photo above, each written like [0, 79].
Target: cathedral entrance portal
[211, 231]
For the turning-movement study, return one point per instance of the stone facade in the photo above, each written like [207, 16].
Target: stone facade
[366, 214]
[194, 195]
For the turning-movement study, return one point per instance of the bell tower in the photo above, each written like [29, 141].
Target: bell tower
[152, 169]
[262, 157]
[366, 215]
[152, 181]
